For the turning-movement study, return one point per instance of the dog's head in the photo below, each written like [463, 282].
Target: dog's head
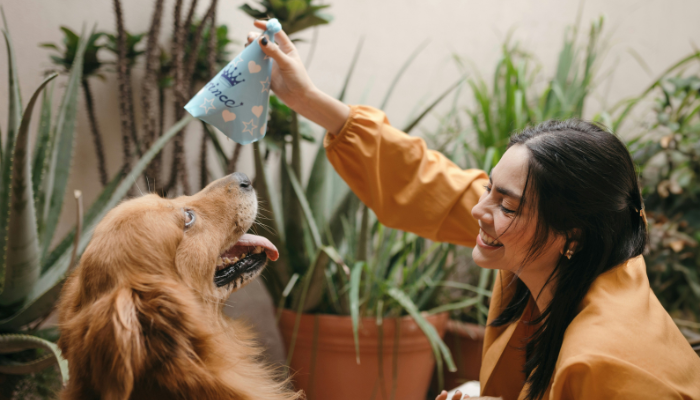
[151, 284]
[197, 240]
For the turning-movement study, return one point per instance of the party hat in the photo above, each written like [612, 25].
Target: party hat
[236, 100]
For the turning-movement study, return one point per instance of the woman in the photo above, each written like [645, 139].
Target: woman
[561, 216]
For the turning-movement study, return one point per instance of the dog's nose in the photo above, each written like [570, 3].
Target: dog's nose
[243, 180]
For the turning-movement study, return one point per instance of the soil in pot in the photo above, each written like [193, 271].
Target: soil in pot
[324, 361]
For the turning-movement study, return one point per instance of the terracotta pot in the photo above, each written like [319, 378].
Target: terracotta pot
[466, 342]
[328, 369]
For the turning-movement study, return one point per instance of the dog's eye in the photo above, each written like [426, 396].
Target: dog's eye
[189, 219]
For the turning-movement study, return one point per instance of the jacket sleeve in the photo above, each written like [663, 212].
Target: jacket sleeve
[406, 185]
[597, 376]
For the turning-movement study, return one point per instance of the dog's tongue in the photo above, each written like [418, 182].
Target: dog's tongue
[255, 240]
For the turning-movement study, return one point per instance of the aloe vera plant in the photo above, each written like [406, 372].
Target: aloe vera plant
[32, 188]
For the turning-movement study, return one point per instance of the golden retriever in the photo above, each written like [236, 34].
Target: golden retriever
[141, 316]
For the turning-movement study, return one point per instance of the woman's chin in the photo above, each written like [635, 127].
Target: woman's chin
[483, 261]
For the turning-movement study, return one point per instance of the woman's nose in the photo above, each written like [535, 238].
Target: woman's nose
[480, 212]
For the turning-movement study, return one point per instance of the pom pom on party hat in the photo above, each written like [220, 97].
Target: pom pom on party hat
[237, 99]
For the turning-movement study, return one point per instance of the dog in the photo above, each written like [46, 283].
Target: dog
[141, 316]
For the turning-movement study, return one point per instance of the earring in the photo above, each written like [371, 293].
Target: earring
[569, 253]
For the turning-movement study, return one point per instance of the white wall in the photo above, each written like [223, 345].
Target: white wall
[660, 31]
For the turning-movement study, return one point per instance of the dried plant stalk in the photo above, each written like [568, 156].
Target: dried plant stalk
[233, 161]
[203, 173]
[150, 82]
[211, 64]
[124, 92]
[96, 136]
[178, 167]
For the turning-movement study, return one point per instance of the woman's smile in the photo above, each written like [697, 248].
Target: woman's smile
[487, 241]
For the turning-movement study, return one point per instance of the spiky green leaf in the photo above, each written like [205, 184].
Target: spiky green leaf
[439, 347]
[21, 260]
[62, 153]
[45, 292]
[12, 343]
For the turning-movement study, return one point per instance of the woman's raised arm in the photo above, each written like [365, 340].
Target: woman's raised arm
[406, 185]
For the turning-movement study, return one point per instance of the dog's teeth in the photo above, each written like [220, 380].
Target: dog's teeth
[257, 250]
[219, 261]
[243, 256]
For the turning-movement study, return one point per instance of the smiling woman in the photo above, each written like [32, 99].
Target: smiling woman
[572, 314]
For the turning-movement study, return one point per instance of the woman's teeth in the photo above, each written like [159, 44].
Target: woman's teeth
[488, 239]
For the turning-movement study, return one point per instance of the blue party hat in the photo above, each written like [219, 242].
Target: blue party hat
[236, 100]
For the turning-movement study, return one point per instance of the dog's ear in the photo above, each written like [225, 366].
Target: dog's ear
[145, 331]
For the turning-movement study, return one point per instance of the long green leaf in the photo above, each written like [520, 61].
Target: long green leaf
[12, 343]
[42, 147]
[439, 346]
[299, 192]
[14, 114]
[276, 275]
[14, 117]
[317, 186]
[403, 69]
[308, 278]
[355, 276]
[221, 156]
[437, 101]
[62, 153]
[454, 306]
[21, 261]
[355, 57]
[45, 292]
[89, 217]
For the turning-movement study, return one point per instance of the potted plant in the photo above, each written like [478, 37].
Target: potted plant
[668, 155]
[32, 189]
[353, 297]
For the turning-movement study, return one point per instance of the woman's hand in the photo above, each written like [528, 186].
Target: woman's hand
[458, 396]
[292, 84]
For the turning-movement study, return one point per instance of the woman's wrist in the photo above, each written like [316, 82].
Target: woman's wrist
[322, 109]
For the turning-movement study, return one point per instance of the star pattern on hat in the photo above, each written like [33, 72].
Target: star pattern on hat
[265, 85]
[249, 127]
[208, 107]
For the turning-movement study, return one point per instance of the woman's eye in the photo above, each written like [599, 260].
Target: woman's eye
[189, 218]
[507, 211]
[488, 188]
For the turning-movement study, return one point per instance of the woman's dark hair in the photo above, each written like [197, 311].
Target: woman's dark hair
[584, 187]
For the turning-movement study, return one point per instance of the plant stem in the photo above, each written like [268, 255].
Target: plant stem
[233, 161]
[96, 136]
[150, 82]
[203, 175]
[122, 75]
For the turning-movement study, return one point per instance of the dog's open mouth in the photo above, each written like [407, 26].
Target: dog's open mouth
[247, 255]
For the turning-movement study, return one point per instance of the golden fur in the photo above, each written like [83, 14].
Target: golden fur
[140, 317]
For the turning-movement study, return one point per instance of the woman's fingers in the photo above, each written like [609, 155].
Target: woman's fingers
[251, 36]
[273, 50]
[442, 395]
[284, 42]
[457, 395]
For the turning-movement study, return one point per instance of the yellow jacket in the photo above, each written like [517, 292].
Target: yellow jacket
[621, 345]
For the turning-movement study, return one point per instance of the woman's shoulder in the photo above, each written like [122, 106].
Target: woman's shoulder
[623, 329]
